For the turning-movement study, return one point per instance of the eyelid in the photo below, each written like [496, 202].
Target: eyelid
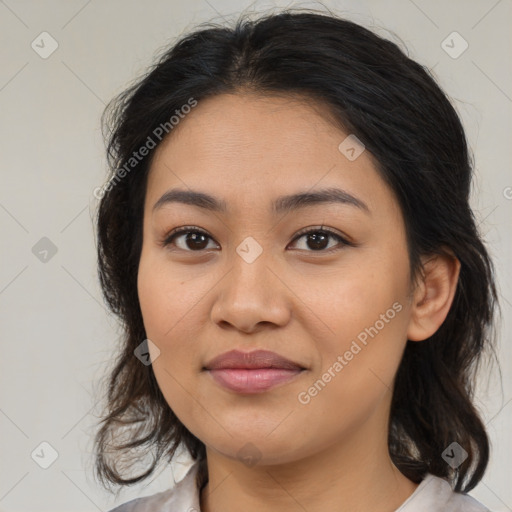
[182, 230]
[323, 229]
[342, 239]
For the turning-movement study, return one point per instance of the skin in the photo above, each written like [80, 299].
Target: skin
[308, 305]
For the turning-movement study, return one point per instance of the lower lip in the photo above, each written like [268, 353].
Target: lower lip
[254, 380]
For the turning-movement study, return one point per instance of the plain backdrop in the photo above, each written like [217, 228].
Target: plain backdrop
[57, 337]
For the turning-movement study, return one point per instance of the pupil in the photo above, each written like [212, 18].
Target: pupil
[195, 237]
[317, 240]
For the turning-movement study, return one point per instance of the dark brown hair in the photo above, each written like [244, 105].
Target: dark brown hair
[395, 107]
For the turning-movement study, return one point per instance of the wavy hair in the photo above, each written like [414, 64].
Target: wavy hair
[395, 107]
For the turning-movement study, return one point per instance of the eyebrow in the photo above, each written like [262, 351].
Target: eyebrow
[283, 204]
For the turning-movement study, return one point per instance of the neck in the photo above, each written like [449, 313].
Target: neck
[355, 475]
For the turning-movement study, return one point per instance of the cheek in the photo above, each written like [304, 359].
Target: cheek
[164, 298]
[350, 301]
[166, 312]
[172, 316]
[365, 312]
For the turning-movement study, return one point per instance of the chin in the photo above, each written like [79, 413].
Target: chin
[258, 449]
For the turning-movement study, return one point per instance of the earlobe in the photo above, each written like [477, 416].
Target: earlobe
[433, 296]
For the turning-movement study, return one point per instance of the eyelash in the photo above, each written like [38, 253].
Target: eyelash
[194, 229]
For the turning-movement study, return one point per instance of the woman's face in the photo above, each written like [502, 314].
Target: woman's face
[339, 310]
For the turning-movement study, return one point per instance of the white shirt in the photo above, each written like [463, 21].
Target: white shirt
[433, 494]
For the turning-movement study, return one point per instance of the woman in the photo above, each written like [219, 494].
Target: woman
[287, 238]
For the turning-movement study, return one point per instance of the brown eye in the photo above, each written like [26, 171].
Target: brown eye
[317, 240]
[190, 239]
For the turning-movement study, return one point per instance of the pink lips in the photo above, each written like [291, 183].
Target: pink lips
[252, 372]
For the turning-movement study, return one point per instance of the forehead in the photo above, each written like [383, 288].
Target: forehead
[251, 149]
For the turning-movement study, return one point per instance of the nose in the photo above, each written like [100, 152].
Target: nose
[251, 296]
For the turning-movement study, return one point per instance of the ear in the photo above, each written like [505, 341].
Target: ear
[433, 295]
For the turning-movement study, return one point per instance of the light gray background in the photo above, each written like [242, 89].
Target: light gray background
[57, 339]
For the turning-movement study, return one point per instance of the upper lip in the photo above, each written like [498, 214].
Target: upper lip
[255, 359]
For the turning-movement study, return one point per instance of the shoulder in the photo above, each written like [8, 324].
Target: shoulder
[434, 494]
[182, 497]
[466, 503]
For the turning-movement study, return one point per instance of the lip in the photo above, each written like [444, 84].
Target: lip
[252, 372]
[236, 359]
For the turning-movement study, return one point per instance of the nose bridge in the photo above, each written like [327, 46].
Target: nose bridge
[250, 292]
[249, 263]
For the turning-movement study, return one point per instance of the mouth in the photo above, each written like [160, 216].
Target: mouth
[252, 372]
